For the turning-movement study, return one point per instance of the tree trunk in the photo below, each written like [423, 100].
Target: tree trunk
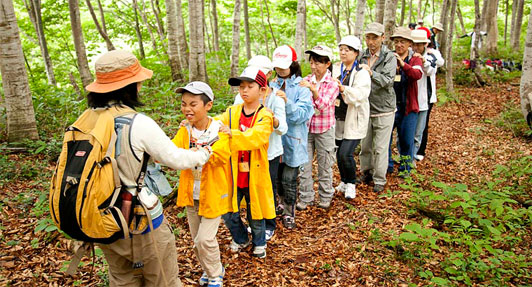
[216, 36]
[19, 107]
[379, 10]
[389, 20]
[449, 52]
[459, 11]
[516, 36]
[474, 51]
[264, 28]
[444, 19]
[347, 10]
[526, 77]
[34, 10]
[104, 35]
[359, 21]
[138, 31]
[173, 47]
[269, 23]
[514, 14]
[301, 29]
[79, 43]
[236, 39]
[102, 17]
[246, 29]
[196, 64]
[148, 26]
[182, 40]
[483, 19]
[410, 11]
[506, 4]
[160, 29]
[492, 29]
[403, 10]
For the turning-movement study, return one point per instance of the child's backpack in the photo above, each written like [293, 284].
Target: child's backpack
[86, 184]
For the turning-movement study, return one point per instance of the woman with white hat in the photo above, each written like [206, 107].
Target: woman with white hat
[351, 111]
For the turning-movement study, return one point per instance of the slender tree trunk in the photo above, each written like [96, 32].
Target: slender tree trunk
[359, 21]
[506, 21]
[389, 20]
[102, 17]
[34, 10]
[104, 35]
[147, 25]
[160, 29]
[492, 29]
[419, 6]
[215, 33]
[246, 29]
[474, 50]
[483, 15]
[79, 43]
[379, 10]
[444, 19]
[269, 23]
[264, 28]
[138, 31]
[410, 11]
[526, 77]
[347, 11]
[335, 12]
[459, 11]
[449, 52]
[301, 29]
[19, 107]
[514, 14]
[403, 10]
[196, 63]
[182, 40]
[516, 36]
[206, 35]
[173, 47]
[236, 39]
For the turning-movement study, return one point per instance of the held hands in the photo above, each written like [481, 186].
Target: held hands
[282, 95]
[226, 130]
[419, 56]
[399, 60]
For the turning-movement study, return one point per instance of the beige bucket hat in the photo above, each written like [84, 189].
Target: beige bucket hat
[402, 32]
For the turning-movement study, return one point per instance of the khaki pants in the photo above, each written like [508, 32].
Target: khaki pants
[119, 256]
[203, 231]
[374, 147]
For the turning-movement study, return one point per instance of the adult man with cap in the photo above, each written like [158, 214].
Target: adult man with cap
[381, 64]
[435, 30]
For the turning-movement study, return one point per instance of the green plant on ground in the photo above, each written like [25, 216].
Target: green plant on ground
[512, 119]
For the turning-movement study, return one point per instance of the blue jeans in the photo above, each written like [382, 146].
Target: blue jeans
[238, 229]
[346, 160]
[406, 129]
[274, 168]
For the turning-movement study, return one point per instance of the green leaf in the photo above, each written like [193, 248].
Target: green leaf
[440, 281]
[50, 228]
[409, 236]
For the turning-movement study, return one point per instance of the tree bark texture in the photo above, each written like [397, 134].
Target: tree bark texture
[19, 107]
[403, 10]
[526, 77]
[359, 20]
[301, 30]
[173, 35]
[246, 29]
[182, 39]
[460, 18]
[444, 19]
[483, 19]
[216, 36]
[144, 18]
[516, 35]
[449, 52]
[34, 10]
[389, 20]
[474, 51]
[492, 29]
[138, 31]
[102, 32]
[79, 43]
[196, 62]
[410, 11]
[379, 11]
[236, 39]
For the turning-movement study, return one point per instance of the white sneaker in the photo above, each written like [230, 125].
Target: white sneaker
[235, 247]
[350, 191]
[259, 251]
[341, 187]
[269, 234]
[419, 157]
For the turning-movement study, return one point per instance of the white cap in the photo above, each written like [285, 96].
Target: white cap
[321, 50]
[283, 57]
[262, 62]
[351, 41]
[197, 88]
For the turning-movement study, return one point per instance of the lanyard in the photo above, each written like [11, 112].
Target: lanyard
[345, 72]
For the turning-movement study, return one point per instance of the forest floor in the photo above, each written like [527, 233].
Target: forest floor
[341, 246]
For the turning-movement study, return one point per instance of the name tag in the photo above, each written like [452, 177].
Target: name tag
[397, 78]
[337, 102]
[243, 166]
[196, 172]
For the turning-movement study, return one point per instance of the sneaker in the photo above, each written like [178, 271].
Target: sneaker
[248, 229]
[279, 209]
[302, 205]
[350, 191]
[341, 187]
[204, 280]
[235, 247]
[367, 178]
[259, 251]
[289, 222]
[419, 157]
[324, 203]
[378, 188]
[269, 234]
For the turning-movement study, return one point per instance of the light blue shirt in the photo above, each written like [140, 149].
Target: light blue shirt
[277, 105]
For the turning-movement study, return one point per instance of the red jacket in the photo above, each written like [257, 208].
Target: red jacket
[413, 73]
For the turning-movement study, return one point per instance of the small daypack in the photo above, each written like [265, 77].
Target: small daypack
[86, 183]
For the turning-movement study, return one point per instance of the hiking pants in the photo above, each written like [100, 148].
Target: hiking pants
[374, 147]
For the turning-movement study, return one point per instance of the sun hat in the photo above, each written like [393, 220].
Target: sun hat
[374, 28]
[439, 27]
[283, 57]
[250, 74]
[117, 69]
[351, 41]
[402, 32]
[321, 50]
[420, 20]
[419, 36]
[197, 88]
[262, 62]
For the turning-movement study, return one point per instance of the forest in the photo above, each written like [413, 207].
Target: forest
[464, 217]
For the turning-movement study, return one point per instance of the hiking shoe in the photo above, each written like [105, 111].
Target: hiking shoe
[341, 187]
[378, 188]
[259, 251]
[302, 205]
[204, 280]
[269, 234]
[350, 191]
[279, 209]
[419, 157]
[325, 203]
[289, 222]
[236, 247]
[367, 178]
